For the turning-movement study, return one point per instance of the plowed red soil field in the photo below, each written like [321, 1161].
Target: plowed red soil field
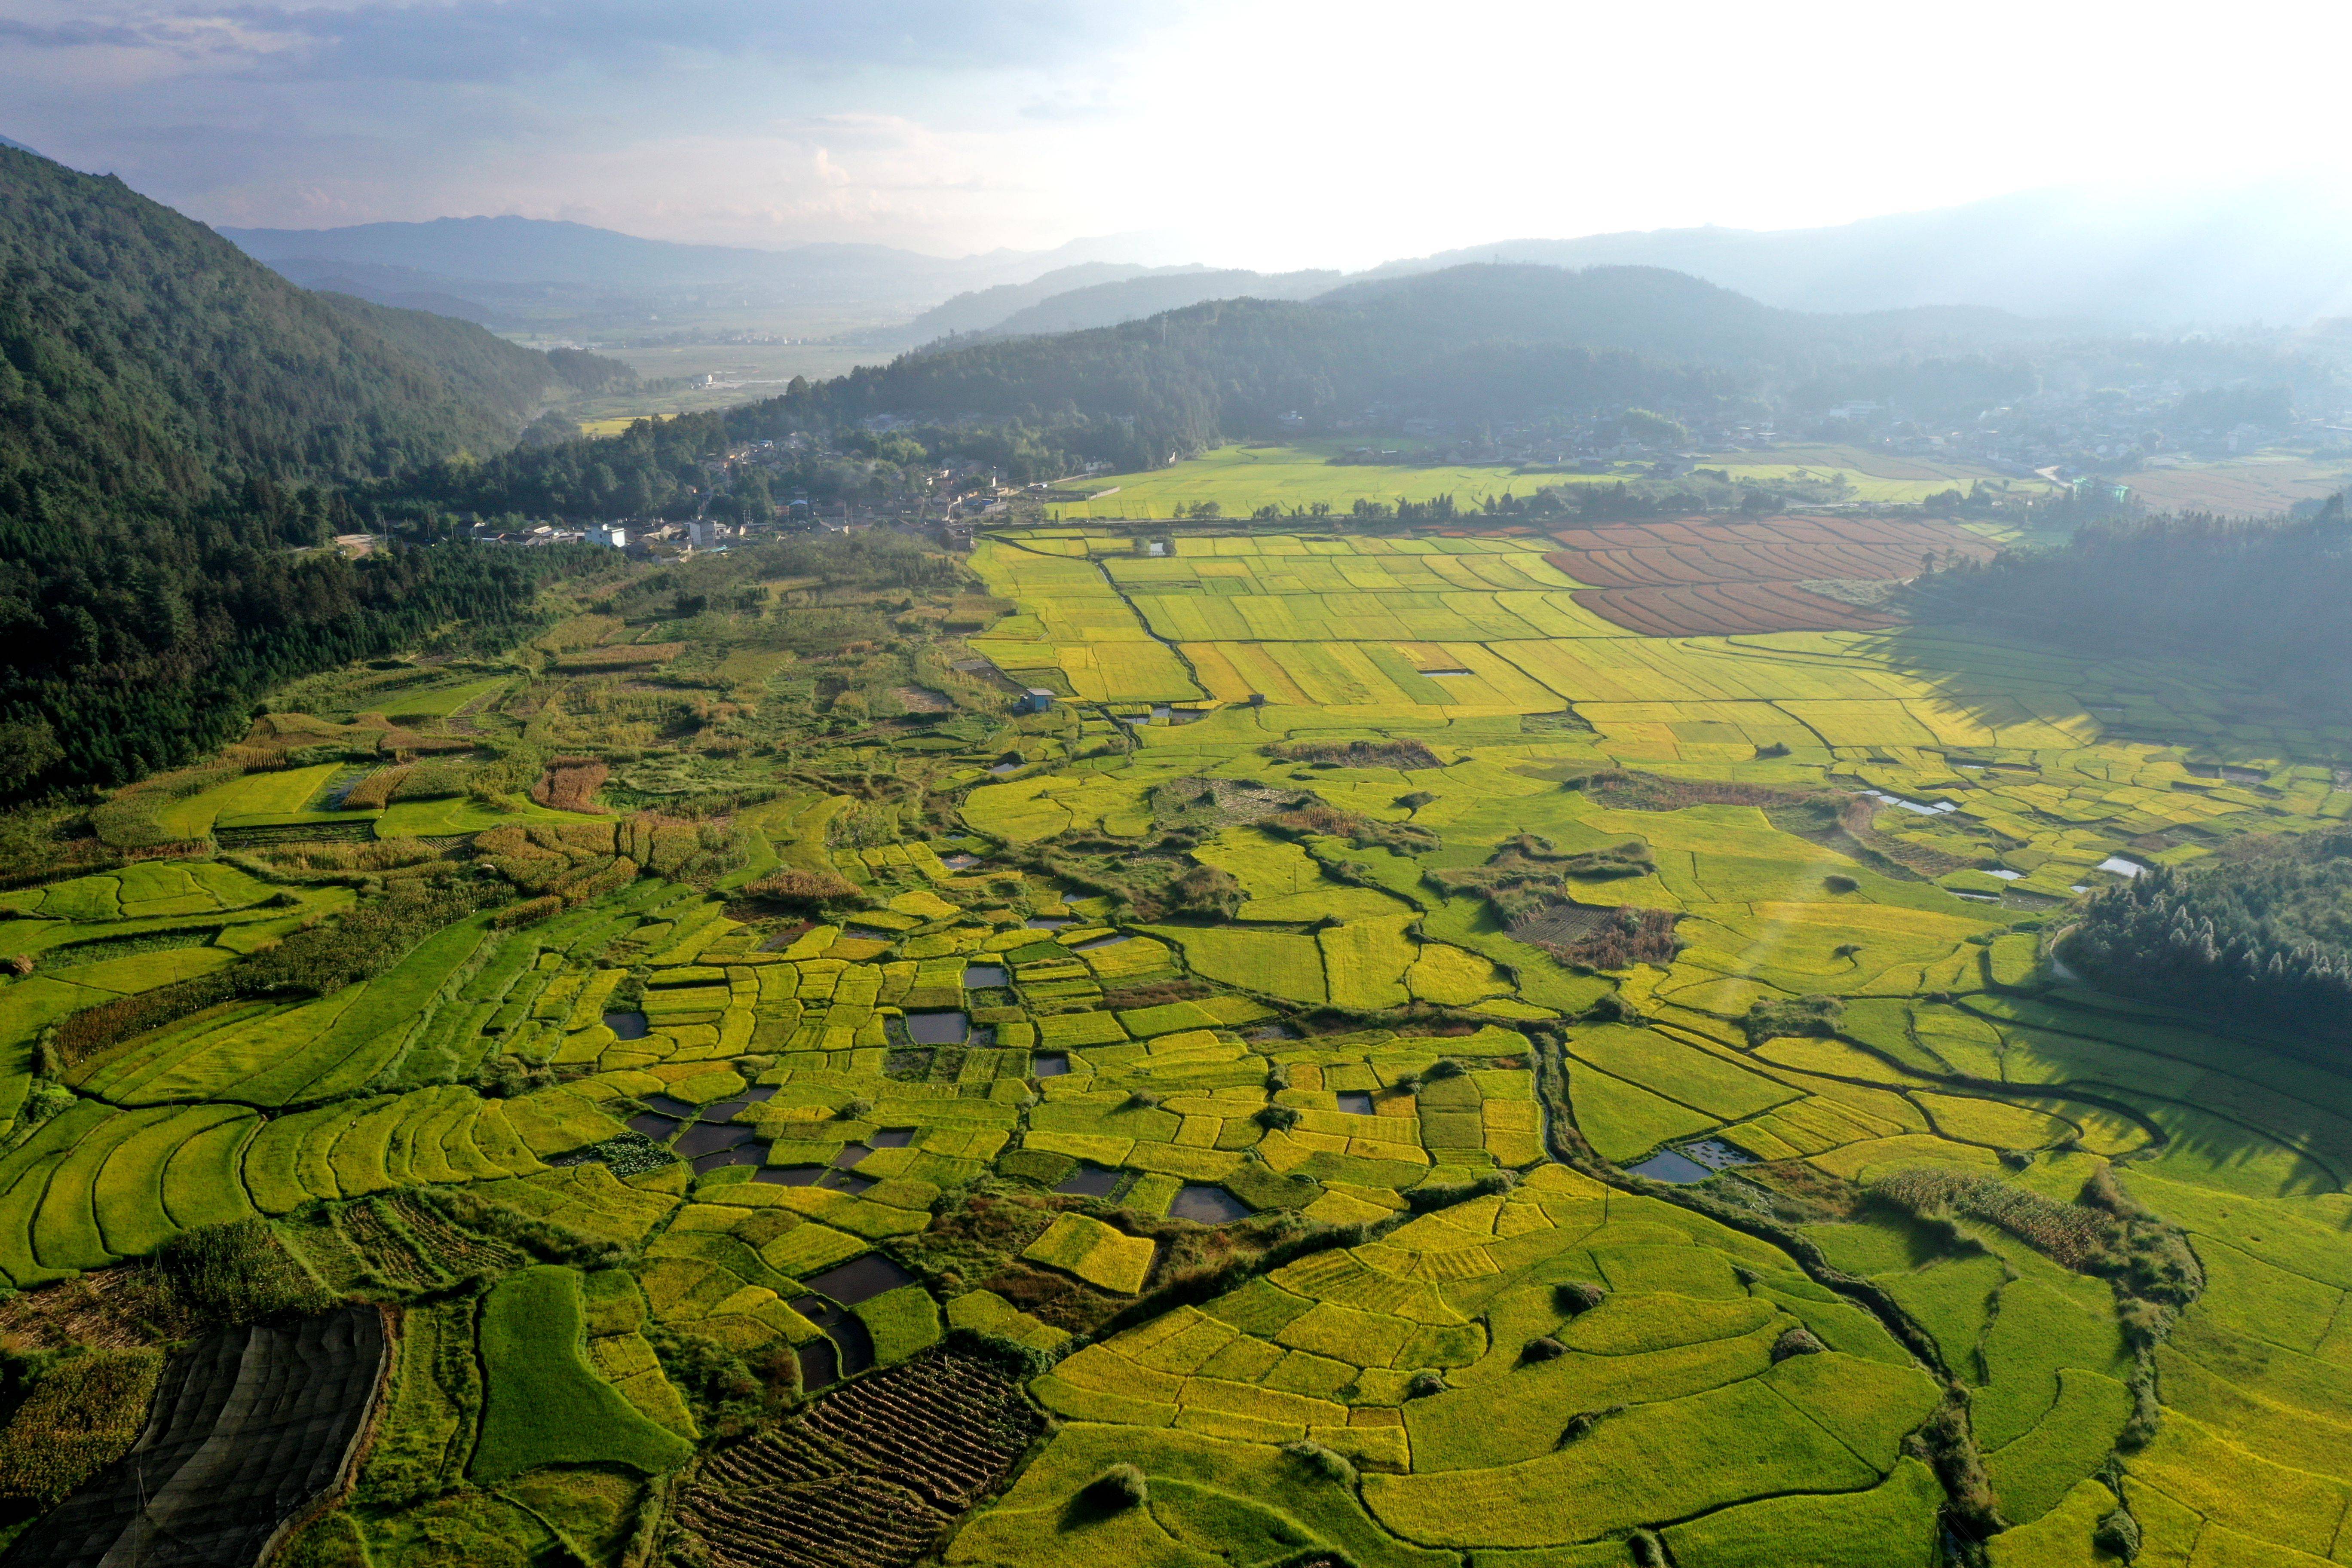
[1701, 576]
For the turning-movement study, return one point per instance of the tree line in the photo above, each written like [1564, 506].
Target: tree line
[2264, 598]
[2266, 934]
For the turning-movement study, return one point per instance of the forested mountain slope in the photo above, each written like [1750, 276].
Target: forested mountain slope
[1496, 343]
[479, 366]
[167, 406]
[1470, 341]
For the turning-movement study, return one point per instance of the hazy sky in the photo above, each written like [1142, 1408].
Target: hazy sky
[1270, 133]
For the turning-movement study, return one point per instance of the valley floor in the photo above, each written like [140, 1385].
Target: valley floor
[1399, 1062]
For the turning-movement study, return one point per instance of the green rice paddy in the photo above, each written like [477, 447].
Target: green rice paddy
[1335, 1216]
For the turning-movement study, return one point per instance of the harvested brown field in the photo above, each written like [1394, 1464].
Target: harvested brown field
[1763, 550]
[1623, 789]
[1403, 755]
[1708, 577]
[109, 1308]
[1724, 609]
[571, 784]
[922, 699]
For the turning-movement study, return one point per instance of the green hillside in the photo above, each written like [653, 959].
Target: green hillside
[169, 413]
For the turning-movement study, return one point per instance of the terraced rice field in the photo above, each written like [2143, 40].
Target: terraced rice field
[1215, 1141]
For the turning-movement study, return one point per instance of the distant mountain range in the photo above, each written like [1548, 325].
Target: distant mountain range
[1464, 342]
[500, 265]
[984, 310]
[2280, 254]
[12, 142]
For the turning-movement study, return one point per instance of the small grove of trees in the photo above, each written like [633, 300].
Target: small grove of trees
[2267, 935]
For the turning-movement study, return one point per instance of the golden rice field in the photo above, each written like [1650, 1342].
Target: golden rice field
[1184, 1129]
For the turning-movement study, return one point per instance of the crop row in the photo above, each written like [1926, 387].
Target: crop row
[944, 1425]
[870, 1476]
[850, 1522]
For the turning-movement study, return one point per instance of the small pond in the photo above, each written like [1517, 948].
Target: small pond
[981, 976]
[856, 1342]
[1099, 942]
[1040, 922]
[1049, 1064]
[1716, 1154]
[1206, 1205]
[1089, 1181]
[722, 1110]
[2121, 867]
[1001, 769]
[657, 1128]
[938, 1028]
[706, 1138]
[850, 1182]
[850, 1154]
[791, 1175]
[846, 1350]
[1666, 1165]
[1691, 1162]
[669, 1105]
[820, 1365]
[858, 1280]
[1356, 1101]
[765, 1091]
[626, 1025]
[958, 862]
[742, 1154]
[1916, 807]
[892, 1138]
[1448, 672]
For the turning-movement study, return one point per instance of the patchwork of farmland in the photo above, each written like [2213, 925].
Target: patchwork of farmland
[1241, 479]
[1697, 578]
[1524, 1094]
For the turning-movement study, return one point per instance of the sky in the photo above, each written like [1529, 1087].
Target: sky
[1269, 134]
